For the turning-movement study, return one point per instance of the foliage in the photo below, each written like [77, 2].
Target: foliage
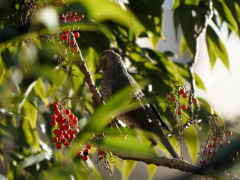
[35, 72]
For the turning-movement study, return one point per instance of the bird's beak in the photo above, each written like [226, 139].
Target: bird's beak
[97, 70]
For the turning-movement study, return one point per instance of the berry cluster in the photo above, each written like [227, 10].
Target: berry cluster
[175, 98]
[85, 152]
[70, 17]
[212, 146]
[69, 36]
[66, 123]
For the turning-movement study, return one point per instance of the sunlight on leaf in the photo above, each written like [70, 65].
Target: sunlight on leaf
[128, 167]
[192, 142]
[151, 171]
[102, 10]
[39, 89]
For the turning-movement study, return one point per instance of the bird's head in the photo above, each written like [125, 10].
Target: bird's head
[107, 58]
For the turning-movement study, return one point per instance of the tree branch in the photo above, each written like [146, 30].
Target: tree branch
[178, 164]
[192, 63]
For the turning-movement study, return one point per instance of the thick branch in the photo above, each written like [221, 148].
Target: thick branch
[179, 165]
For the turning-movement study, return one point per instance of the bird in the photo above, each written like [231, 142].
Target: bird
[146, 117]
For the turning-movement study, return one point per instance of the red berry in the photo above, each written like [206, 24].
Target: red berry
[194, 101]
[55, 139]
[85, 158]
[86, 152]
[71, 116]
[58, 146]
[66, 143]
[63, 37]
[229, 133]
[79, 153]
[88, 146]
[184, 107]
[67, 127]
[63, 140]
[67, 136]
[55, 132]
[185, 95]
[53, 116]
[67, 112]
[214, 140]
[70, 132]
[57, 111]
[75, 49]
[78, 18]
[69, 14]
[100, 154]
[72, 136]
[178, 112]
[172, 99]
[53, 123]
[72, 42]
[182, 91]
[76, 34]
[55, 105]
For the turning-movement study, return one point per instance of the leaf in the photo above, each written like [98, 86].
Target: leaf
[39, 89]
[152, 169]
[192, 142]
[216, 48]
[176, 4]
[34, 159]
[199, 82]
[128, 166]
[192, 2]
[183, 46]
[78, 79]
[119, 103]
[226, 14]
[31, 135]
[130, 146]
[103, 10]
[30, 113]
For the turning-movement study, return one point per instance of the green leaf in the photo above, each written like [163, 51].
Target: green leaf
[192, 142]
[226, 14]
[199, 82]
[103, 10]
[128, 166]
[176, 4]
[121, 102]
[216, 48]
[39, 89]
[192, 2]
[183, 46]
[34, 159]
[30, 113]
[78, 79]
[151, 171]
[130, 146]
[31, 135]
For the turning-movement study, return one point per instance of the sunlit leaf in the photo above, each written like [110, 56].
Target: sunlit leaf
[191, 2]
[192, 141]
[128, 166]
[103, 10]
[216, 48]
[119, 103]
[151, 171]
[199, 82]
[40, 90]
[30, 113]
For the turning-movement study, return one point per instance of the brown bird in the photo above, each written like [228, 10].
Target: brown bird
[115, 77]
